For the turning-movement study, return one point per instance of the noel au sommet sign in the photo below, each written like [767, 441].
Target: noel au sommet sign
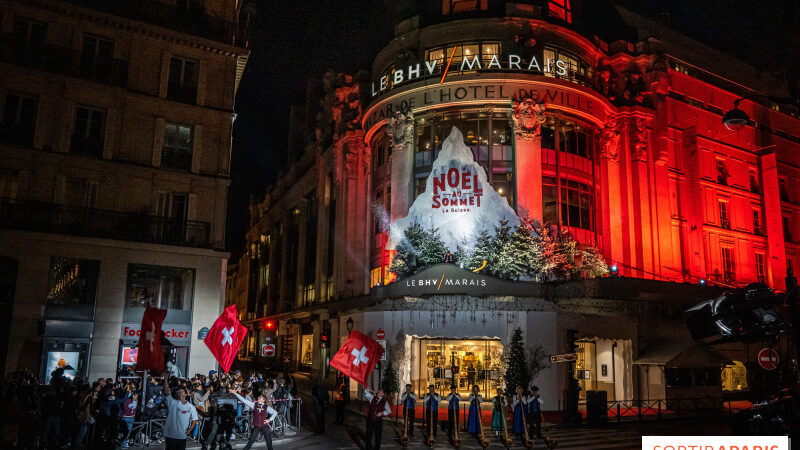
[458, 199]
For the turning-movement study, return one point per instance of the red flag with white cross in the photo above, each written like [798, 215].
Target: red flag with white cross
[150, 355]
[225, 337]
[358, 356]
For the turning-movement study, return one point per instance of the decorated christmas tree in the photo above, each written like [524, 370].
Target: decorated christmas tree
[516, 366]
[390, 383]
[553, 258]
[592, 263]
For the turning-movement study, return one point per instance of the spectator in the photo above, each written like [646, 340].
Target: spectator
[181, 419]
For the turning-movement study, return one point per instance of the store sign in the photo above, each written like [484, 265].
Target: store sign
[175, 333]
[564, 357]
[552, 94]
[451, 279]
[457, 199]
[516, 63]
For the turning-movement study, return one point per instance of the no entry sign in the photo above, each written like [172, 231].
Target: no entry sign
[380, 334]
[268, 349]
[768, 359]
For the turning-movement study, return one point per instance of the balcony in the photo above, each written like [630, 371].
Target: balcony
[90, 222]
[758, 231]
[63, 60]
[725, 223]
[190, 20]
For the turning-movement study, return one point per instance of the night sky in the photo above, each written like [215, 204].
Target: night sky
[294, 41]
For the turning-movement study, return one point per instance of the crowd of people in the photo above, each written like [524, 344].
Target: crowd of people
[76, 413]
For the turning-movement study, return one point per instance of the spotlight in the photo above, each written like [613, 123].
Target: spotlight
[735, 119]
[614, 271]
[702, 281]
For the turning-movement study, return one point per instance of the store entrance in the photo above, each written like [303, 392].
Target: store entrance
[462, 363]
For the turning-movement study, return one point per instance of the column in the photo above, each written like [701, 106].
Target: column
[610, 182]
[640, 187]
[694, 249]
[773, 219]
[324, 192]
[528, 118]
[401, 129]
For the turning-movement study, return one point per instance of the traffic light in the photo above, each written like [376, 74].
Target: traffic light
[270, 329]
[324, 340]
[572, 338]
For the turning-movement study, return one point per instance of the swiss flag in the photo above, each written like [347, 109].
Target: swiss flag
[150, 355]
[225, 337]
[358, 356]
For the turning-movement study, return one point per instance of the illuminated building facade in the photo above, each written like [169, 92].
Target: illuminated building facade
[588, 117]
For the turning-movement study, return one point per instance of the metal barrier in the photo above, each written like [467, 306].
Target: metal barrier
[658, 409]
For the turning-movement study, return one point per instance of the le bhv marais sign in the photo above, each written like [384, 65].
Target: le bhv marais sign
[511, 62]
[444, 279]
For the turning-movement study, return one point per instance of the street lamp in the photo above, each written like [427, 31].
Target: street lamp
[735, 119]
[349, 325]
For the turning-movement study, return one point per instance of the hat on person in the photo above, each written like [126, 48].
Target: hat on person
[212, 372]
[237, 371]
[534, 388]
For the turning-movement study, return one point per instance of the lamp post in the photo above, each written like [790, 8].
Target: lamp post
[349, 325]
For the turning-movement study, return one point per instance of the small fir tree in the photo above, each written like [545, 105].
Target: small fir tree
[517, 367]
[406, 259]
[481, 249]
[390, 382]
[552, 255]
[432, 249]
[526, 251]
[502, 259]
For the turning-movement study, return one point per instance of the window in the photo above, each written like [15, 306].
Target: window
[789, 265]
[177, 150]
[264, 276]
[459, 6]
[757, 230]
[19, 119]
[577, 203]
[728, 264]
[72, 281]
[560, 9]
[87, 137]
[9, 183]
[483, 50]
[577, 70]
[80, 193]
[308, 294]
[182, 84]
[575, 140]
[29, 33]
[724, 220]
[97, 58]
[761, 270]
[681, 69]
[784, 194]
[787, 229]
[172, 205]
[162, 287]
[722, 173]
[755, 186]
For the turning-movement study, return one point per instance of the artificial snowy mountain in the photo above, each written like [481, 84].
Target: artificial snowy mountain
[458, 199]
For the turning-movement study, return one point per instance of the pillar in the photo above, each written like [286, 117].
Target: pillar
[776, 250]
[610, 195]
[528, 118]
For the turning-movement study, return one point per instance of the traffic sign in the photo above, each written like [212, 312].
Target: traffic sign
[380, 334]
[268, 349]
[564, 357]
[768, 359]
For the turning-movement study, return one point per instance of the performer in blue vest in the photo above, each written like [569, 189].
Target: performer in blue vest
[452, 409]
[474, 416]
[409, 399]
[520, 405]
[432, 400]
[535, 412]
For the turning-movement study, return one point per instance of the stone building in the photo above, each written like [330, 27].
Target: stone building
[115, 146]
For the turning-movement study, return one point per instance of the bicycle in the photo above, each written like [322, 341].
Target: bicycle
[278, 426]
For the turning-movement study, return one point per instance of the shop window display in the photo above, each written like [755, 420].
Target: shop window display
[72, 281]
[462, 363]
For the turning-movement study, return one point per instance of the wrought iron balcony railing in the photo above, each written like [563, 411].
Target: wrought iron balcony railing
[91, 222]
[63, 60]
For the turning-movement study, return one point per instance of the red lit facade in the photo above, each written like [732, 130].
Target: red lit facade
[621, 143]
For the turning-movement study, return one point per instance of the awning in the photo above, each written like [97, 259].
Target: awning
[680, 354]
